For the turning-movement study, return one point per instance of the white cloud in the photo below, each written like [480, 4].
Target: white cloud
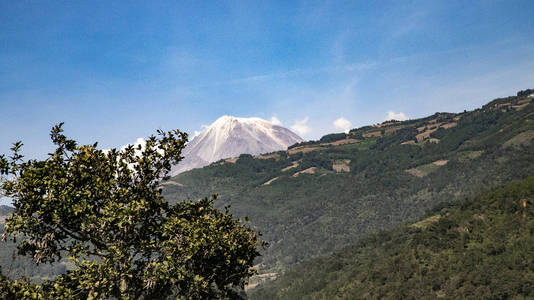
[342, 124]
[400, 116]
[139, 141]
[301, 127]
[276, 121]
[198, 132]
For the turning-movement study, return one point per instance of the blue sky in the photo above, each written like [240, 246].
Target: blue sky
[117, 71]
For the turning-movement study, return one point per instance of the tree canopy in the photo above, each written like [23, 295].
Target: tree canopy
[477, 248]
[105, 212]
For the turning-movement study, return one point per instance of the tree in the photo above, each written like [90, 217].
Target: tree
[104, 210]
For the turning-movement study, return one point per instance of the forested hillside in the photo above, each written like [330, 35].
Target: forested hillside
[16, 266]
[322, 195]
[482, 248]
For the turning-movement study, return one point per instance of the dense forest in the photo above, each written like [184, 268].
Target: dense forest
[482, 248]
[322, 195]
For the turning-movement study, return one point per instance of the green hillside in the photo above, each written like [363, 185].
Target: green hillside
[19, 266]
[322, 195]
[478, 249]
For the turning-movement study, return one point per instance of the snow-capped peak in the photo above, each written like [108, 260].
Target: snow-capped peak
[232, 136]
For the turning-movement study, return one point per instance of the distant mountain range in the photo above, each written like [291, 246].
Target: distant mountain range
[230, 137]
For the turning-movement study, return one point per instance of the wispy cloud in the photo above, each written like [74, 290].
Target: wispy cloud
[301, 127]
[409, 24]
[139, 141]
[276, 121]
[348, 67]
[198, 132]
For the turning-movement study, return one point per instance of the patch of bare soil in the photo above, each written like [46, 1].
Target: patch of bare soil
[520, 107]
[302, 149]
[340, 142]
[268, 156]
[307, 171]
[434, 126]
[393, 129]
[523, 101]
[270, 181]
[449, 125]
[341, 166]
[440, 162]
[410, 142]
[232, 160]
[260, 278]
[373, 133]
[294, 165]
[426, 130]
[479, 217]
[503, 105]
[425, 134]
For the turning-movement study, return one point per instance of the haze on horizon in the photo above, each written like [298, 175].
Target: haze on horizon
[114, 72]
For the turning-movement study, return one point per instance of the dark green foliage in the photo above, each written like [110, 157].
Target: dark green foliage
[525, 93]
[403, 135]
[105, 212]
[302, 144]
[312, 214]
[478, 249]
[333, 137]
[361, 129]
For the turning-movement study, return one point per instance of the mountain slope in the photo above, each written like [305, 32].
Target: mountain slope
[479, 249]
[230, 136]
[17, 267]
[323, 195]
[320, 196]
[5, 210]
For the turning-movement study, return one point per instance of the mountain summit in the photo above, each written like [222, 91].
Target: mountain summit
[230, 137]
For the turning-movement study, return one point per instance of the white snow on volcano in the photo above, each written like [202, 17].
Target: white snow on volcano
[230, 137]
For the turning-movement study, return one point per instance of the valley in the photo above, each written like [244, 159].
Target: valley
[267, 150]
